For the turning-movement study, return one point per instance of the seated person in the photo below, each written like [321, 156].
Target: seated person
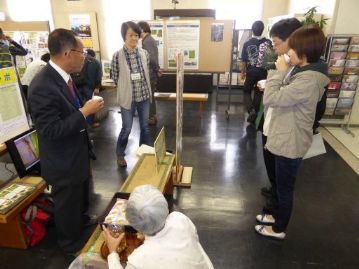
[171, 240]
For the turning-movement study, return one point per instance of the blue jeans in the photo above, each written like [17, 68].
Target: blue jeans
[143, 110]
[285, 174]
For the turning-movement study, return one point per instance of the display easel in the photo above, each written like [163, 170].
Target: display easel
[183, 175]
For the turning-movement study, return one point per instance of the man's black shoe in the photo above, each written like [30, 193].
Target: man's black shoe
[252, 117]
[90, 220]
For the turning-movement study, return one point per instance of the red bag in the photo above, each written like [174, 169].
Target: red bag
[35, 219]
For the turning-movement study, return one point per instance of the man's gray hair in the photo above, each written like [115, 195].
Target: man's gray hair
[147, 209]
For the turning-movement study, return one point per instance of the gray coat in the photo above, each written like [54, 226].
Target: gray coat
[124, 85]
[294, 104]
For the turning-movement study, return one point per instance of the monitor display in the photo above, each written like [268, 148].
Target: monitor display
[24, 152]
[28, 148]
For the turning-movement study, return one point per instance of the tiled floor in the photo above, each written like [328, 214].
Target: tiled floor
[224, 198]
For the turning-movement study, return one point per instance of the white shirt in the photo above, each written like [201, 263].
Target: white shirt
[176, 246]
[63, 74]
[31, 70]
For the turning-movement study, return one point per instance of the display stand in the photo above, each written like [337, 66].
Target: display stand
[182, 175]
[342, 56]
[11, 227]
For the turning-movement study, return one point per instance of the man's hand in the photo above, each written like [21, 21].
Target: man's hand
[91, 107]
[261, 85]
[111, 242]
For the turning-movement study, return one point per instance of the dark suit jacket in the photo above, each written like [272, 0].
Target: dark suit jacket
[61, 127]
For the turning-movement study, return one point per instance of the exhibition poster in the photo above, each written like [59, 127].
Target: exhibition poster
[13, 120]
[183, 36]
[81, 25]
[157, 34]
[34, 41]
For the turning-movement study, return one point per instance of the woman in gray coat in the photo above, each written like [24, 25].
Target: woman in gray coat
[289, 121]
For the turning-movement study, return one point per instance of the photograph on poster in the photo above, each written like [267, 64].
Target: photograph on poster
[81, 25]
[217, 32]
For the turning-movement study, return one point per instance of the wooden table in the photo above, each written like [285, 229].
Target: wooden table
[3, 149]
[144, 172]
[11, 228]
[187, 97]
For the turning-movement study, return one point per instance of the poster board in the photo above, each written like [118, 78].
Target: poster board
[214, 43]
[85, 25]
[157, 33]
[215, 56]
[13, 120]
[32, 36]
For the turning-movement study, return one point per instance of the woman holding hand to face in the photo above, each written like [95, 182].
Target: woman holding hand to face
[293, 101]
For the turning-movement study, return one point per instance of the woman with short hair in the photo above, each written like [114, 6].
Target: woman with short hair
[130, 72]
[293, 101]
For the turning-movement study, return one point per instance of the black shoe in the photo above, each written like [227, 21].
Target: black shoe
[90, 220]
[252, 117]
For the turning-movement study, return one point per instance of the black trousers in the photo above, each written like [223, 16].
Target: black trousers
[250, 84]
[71, 203]
[286, 171]
[269, 161]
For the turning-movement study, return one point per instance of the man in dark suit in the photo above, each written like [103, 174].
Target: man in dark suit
[60, 120]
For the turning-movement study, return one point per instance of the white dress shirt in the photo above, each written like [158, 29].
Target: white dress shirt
[63, 73]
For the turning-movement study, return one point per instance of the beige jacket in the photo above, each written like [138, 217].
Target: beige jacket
[294, 105]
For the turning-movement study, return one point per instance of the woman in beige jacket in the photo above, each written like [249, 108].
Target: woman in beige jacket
[290, 121]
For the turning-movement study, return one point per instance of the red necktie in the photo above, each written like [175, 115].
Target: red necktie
[71, 88]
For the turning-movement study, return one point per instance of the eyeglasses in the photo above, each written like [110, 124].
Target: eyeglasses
[84, 53]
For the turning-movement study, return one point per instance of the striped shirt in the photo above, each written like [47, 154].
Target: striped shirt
[140, 90]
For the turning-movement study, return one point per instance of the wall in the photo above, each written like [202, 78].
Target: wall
[110, 15]
[347, 22]
[183, 4]
[272, 9]
[3, 8]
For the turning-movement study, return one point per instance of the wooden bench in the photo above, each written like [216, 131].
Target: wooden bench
[187, 97]
[11, 227]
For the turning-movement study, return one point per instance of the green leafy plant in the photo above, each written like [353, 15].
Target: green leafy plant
[309, 18]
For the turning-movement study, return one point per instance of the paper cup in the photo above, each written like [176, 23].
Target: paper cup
[97, 98]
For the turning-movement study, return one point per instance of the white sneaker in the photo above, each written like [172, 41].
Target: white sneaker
[265, 218]
[261, 229]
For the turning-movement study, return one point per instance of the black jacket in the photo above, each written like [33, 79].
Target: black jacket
[63, 138]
